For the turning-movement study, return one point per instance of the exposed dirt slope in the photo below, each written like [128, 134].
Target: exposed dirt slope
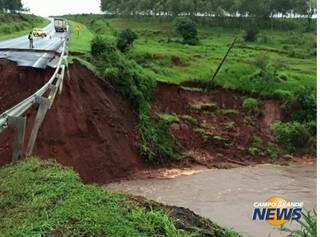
[222, 134]
[89, 128]
[17, 83]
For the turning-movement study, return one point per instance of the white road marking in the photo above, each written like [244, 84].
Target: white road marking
[39, 60]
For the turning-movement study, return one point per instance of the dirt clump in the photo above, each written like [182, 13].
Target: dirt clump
[89, 128]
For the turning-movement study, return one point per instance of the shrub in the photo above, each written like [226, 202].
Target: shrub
[262, 61]
[186, 28]
[308, 225]
[169, 118]
[259, 148]
[125, 40]
[278, 65]
[282, 95]
[98, 46]
[251, 106]
[302, 106]
[7, 30]
[251, 32]
[294, 136]
[156, 144]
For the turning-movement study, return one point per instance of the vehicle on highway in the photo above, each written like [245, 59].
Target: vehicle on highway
[60, 25]
[39, 33]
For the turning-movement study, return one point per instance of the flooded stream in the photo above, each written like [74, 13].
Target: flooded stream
[227, 196]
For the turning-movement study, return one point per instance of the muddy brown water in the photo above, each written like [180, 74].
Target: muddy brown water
[226, 196]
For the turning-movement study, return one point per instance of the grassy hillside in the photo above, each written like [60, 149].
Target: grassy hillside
[14, 25]
[44, 199]
[80, 42]
[159, 51]
[278, 64]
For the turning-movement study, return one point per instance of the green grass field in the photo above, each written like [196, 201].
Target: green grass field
[79, 42]
[12, 25]
[162, 56]
[38, 198]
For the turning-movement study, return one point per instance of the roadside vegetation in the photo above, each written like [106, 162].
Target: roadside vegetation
[308, 225]
[129, 79]
[79, 42]
[40, 198]
[14, 25]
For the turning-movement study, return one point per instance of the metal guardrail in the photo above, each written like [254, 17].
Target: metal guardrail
[13, 117]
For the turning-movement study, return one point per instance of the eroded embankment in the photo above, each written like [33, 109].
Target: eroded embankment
[212, 128]
[17, 83]
[94, 130]
[89, 128]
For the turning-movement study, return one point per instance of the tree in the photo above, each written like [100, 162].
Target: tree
[125, 39]
[12, 5]
[186, 28]
[253, 8]
[251, 33]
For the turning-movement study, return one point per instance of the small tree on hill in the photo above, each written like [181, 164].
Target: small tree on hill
[251, 33]
[186, 28]
[125, 40]
[98, 46]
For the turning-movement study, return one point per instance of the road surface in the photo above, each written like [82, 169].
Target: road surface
[42, 59]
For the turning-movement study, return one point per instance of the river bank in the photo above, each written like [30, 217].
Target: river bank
[227, 196]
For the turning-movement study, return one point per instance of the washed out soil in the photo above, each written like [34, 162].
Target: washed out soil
[89, 128]
[18, 83]
[94, 130]
[223, 133]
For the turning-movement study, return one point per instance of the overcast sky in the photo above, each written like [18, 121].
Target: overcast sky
[60, 7]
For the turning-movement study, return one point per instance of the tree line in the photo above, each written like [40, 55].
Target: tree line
[241, 8]
[10, 5]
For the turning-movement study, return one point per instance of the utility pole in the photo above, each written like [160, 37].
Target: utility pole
[223, 60]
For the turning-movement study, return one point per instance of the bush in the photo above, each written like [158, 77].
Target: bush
[294, 136]
[302, 106]
[125, 40]
[251, 106]
[98, 46]
[282, 95]
[186, 28]
[262, 61]
[259, 148]
[251, 32]
[169, 118]
[308, 225]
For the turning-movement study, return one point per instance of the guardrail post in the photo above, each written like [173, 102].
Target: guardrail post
[52, 94]
[67, 65]
[19, 125]
[61, 77]
[44, 105]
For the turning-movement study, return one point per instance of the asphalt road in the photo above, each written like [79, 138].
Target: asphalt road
[52, 42]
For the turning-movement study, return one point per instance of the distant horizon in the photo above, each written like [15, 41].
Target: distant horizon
[62, 7]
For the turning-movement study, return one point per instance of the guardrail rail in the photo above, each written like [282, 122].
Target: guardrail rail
[14, 118]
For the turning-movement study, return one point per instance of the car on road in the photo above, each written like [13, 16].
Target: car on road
[39, 33]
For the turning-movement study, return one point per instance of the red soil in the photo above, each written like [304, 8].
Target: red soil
[17, 83]
[238, 138]
[93, 129]
[89, 128]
